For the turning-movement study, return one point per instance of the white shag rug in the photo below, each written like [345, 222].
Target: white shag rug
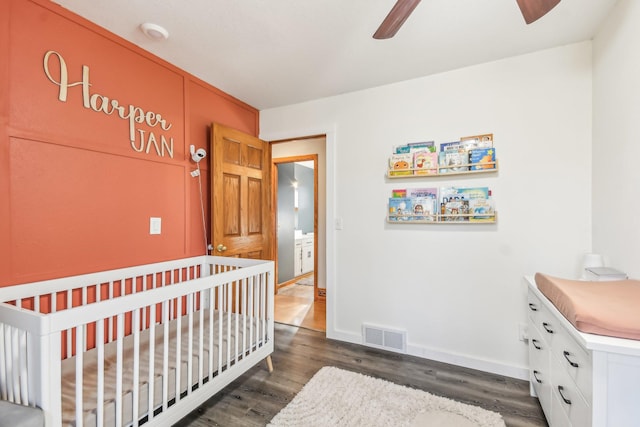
[335, 397]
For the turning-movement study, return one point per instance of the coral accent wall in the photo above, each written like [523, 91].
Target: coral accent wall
[94, 140]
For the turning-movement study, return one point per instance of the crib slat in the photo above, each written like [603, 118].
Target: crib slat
[200, 342]
[136, 366]
[119, 330]
[69, 305]
[253, 311]
[211, 342]
[229, 321]
[152, 358]
[263, 308]
[3, 364]
[190, 343]
[80, 344]
[178, 347]
[24, 378]
[220, 311]
[237, 286]
[245, 285]
[165, 359]
[100, 369]
[15, 362]
[8, 332]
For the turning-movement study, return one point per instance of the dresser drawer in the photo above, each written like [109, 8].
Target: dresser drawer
[534, 306]
[575, 361]
[548, 325]
[567, 398]
[539, 368]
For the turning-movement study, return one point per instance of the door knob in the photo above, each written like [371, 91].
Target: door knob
[221, 248]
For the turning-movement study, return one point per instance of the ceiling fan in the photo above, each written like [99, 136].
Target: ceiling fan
[532, 10]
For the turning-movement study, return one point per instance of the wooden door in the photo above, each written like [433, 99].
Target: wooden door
[241, 199]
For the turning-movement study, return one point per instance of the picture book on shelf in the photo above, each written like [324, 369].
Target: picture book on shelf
[482, 158]
[424, 208]
[474, 192]
[453, 160]
[400, 209]
[485, 140]
[401, 164]
[399, 193]
[425, 163]
[413, 147]
[481, 210]
[422, 192]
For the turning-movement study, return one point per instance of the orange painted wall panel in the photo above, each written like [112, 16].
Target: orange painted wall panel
[77, 194]
[88, 209]
[114, 73]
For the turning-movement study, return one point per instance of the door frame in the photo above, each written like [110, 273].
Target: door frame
[274, 203]
[328, 130]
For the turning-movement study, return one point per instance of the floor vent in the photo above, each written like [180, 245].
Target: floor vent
[387, 339]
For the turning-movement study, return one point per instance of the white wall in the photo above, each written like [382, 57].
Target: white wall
[616, 138]
[457, 289]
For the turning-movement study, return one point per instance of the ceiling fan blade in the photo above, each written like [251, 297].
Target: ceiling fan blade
[394, 20]
[532, 10]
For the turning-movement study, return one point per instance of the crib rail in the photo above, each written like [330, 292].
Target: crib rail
[153, 335]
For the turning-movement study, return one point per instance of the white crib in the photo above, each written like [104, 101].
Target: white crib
[144, 344]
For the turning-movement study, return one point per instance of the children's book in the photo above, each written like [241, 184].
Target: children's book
[473, 192]
[424, 208]
[456, 209]
[422, 192]
[477, 141]
[400, 209]
[399, 193]
[422, 146]
[453, 160]
[425, 163]
[481, 210]
[401, 164]
[482, 158]
[444, 146]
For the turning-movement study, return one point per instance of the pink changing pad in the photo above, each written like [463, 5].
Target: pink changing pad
[602, 308]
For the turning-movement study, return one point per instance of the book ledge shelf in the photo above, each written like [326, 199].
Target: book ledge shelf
[487, 167]
[451, 219]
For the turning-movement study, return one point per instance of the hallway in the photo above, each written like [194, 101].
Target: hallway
[294, 305]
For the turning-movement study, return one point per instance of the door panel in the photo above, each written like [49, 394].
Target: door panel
[241, 202]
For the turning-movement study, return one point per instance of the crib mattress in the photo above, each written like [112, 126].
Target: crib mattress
[602, 308]
[90, 379]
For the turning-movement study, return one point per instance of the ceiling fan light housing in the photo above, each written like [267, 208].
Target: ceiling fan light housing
[154, 31]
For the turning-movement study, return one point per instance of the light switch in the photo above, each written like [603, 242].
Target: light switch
[155, 225]
[339, 224]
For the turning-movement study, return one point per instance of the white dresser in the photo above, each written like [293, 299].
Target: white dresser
[580, 379]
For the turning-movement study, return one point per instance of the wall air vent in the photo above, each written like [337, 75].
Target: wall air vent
[384, 338]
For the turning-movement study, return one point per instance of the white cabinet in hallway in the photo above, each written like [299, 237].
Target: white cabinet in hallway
[303, 255]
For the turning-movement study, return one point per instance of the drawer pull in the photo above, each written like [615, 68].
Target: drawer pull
[533, 307]
[566, 356]
[547, 327]
[535, 375]
[534, 342]
[560, 389]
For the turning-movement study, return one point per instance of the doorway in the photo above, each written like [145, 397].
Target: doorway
[298, 191]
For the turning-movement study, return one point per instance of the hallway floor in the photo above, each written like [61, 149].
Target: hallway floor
[294, 306]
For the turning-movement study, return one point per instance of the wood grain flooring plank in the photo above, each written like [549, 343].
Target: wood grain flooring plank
[256, 397]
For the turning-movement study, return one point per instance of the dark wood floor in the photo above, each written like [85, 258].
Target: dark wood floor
[256, 397]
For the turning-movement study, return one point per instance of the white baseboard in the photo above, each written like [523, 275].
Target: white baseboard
[521, 373]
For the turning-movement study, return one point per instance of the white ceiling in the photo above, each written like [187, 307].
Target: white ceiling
[270, 53]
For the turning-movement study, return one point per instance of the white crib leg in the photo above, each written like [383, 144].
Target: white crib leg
[269, 364]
